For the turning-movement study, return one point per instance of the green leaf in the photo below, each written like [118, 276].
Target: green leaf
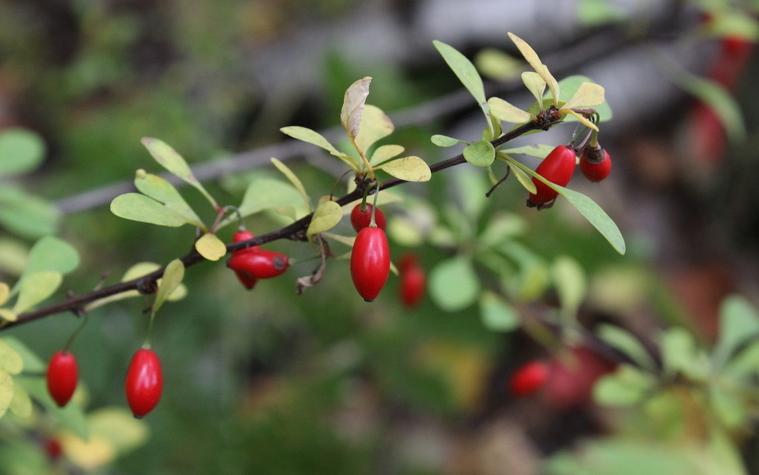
[597, 12]
[470, 186]
[731, 23]
[70, 417]
[13, 256]
[375, 125]
[52, 254]
[10, 361]
[501, 227]
[210, 247]
[680, 355]
[137, 207]
[625, 387]
[21, 405]
[444, 141]
[496, 314]
[35, 288]
[25, 214]
[168, 158]
[745, 363]
[405, 231]
[498, 65]
[326, 217]
[536, 150]
[408, 169]
[739, 322]
[454, 284]
[385, 153]
[571, 285]
[172, 278]
[713, 95]
[589, 94]
[21, 151]
[30, 361]
[728, 407]
[464, 70]
[627, 344]
[6, 391]
[288, 173]
[588, 208]
[161, 190]
[265, 194]
[315, 138]
[506, 112]
[522, 178]
[353, 105]
[480, 154]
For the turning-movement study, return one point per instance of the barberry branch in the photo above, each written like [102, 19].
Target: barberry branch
[296, 231]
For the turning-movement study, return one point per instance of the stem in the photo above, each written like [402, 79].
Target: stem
[294, 231]
[76, 333]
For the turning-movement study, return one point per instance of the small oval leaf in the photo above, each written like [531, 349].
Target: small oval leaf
[506, 112]
[385, 153]
[210, 247]
[172, 278]
[137, 207]
[444, 141]
[10, 360]
[35, 288]
[454, 284]
[480, 154]
[21, 151]
[408, 169]
[326, 217]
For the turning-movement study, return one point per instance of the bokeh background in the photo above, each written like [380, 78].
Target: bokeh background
[263, 382]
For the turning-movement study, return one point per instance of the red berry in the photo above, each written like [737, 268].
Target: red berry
[144, 382]
[558, 167]
[53, 448]
[361, 217]
[260, 264]
[529, 378]
[573, 377]
[62, 375]
[370, 262]
[595, 164]
[413, 282]
[246, 278]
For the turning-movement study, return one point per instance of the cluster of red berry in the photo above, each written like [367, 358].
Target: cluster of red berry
[559, 167]
[143, 384]
[253, 263]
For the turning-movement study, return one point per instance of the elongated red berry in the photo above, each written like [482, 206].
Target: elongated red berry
[260, 264]
[53, 448]
[62, 377]
[413, 281]
[558, 167]
[529, 378]
[247, 279]
[370, 262]
[144, 382]
[595, 163]
[361, 217]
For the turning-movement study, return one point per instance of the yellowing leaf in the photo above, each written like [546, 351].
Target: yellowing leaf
[506, 112]
[4, 292]
[288, 173]
[174, 163]
[10, 360]
[353, 105]
[535, 84]
[385, 153]
[21, 405]
[172, 278]
[35, 288]
[588, 95]
[89, 455]
[6, 391]
[210, 247]
[137, 207]
[534, 61]
[118, 427]
[408, 169]
[581, 118]
[375, 125]
[315, 138]
[326, 217]
[8, 315]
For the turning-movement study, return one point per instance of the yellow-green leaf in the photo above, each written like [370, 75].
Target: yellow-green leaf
[5, 291]
[385, 153]
[535, 84]
[507, 112]
[172, 278]
[35, 288]
[161, 190]
[10, 360]
[210, 247]
[119, 427]
[265, 194]
[480, 154]
[588, 95]
[353, 105]
[21, 405]
[6, 391]
[534, 61]
[571, 284]
[315, 138]
[375, 125]
[444, 141]
[168, 158]
[582, 119]
[523, 179]
[326, 217]
[288, 173]
[90, 454]
[137, 207]
[408, 169]
[497, 64]
[8, 315]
